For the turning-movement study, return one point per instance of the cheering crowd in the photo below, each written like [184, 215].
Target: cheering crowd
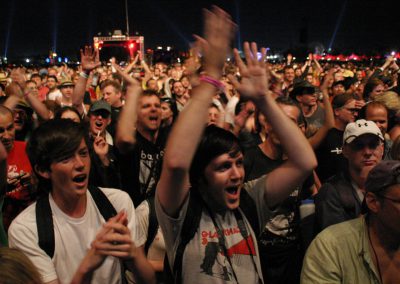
[210, 171]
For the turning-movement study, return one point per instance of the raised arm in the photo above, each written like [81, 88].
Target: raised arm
[126, 127]
[173, 186]
[16, 94]
[301, 159]
[89, 61]
[39, 107]
[317, 138]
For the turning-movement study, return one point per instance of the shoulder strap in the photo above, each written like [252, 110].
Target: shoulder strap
[44, 217]
[107, 210]
[44, 223]
[249, 209]
[104, 205]
[153, 224]
[189, 228]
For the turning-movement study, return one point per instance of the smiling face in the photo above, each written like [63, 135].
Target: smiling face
[149, 114]
[223, 179]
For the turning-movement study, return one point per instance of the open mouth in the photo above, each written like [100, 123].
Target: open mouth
[80, 178]
[233, 190]
[153, 118]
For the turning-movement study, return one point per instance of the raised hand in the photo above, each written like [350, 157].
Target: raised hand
[14, 89]
[129, 80]
[89, 58]
[100, 146]
[18, 76]
[328, 80]
[254, 83]
[218, 33]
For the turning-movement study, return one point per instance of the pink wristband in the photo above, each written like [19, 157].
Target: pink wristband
[217, 84]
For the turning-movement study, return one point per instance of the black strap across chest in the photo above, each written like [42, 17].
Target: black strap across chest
[44, 217]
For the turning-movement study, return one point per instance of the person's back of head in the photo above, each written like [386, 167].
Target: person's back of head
[16, 268]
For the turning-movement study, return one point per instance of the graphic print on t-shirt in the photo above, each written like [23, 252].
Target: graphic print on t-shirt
[215, 263]
[148, 170]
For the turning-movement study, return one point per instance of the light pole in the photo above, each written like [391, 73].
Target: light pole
[126, 17]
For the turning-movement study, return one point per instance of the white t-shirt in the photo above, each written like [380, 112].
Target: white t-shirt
[73, 237]
[54, 95]
[157, 248]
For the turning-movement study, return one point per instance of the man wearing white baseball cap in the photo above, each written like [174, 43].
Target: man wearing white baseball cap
[341, 197]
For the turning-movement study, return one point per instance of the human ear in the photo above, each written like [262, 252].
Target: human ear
[372, 202]
[43, 173]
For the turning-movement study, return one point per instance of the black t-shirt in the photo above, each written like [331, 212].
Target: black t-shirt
[279, 242]
[141, 167]
[256, 163]
[115, 111]
[329, 155]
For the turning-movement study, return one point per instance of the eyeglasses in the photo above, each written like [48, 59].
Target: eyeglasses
[389, 198]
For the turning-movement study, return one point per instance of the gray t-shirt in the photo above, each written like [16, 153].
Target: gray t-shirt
[203, 259]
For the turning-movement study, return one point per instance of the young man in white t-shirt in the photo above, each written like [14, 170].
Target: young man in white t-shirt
[86, 247]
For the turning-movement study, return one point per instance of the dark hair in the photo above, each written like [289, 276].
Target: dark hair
[287, 101]
[215, 142]
[53, 141]
[61, 111]
[36, 75]
[149, 93]
[370, 86]
[172, 105]
[52, 76]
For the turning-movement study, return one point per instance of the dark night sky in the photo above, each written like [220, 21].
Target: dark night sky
[30, 27]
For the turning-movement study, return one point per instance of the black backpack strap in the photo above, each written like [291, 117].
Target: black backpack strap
[153, 224]
[249, 209]
[108, 211]
[45, 227]
[189, 228]
[104, 205]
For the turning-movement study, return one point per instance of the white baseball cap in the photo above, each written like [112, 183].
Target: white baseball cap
[360, 127]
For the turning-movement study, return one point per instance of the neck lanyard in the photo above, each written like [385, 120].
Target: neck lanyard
[222, 240]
